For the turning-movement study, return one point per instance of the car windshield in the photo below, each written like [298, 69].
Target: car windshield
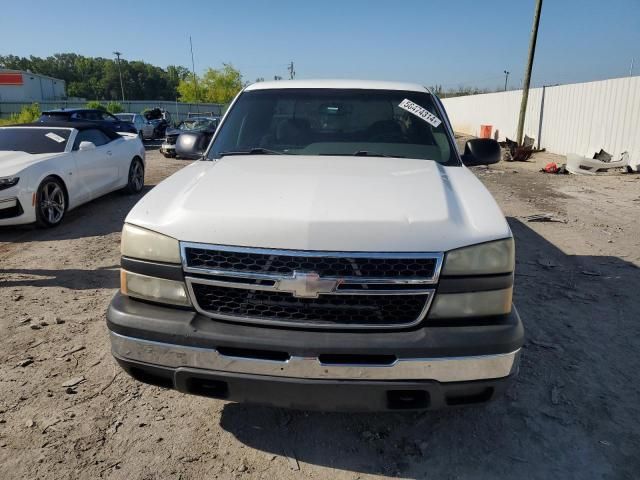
[34, 140]
[125, 117]
[195, 124]
[297, 121]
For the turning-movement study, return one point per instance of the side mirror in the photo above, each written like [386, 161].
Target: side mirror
[190, 145]
[86, 146]
[481, 151]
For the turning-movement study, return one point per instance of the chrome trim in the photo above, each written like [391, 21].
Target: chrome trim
[343, 281]
[315, 325]
[437, 256]
[441, 369]
[274, 288]
[276, 277]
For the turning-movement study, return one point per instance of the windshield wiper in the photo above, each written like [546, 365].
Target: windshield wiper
[252, 151]
[366, 153]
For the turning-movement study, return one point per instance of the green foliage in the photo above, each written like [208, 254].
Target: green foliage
[28, 114]
[115, 107]
[462, 91]
[96, 105]
[215, 86]
[96, 77]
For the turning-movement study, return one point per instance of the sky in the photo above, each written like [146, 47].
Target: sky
[449, 43]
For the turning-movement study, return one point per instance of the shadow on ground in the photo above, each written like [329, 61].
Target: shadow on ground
[75, 279]
[99, 217]
[571, 413]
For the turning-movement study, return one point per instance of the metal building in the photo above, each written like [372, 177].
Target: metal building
[20, 86]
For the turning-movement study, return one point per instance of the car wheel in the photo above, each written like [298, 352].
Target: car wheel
[51, 203]
[135, 183]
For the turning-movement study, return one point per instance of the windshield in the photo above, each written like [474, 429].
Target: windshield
[34, 140]
[335, 122]
[195, 124]
[124, 117]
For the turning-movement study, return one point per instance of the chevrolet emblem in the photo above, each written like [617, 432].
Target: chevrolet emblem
[306, 285]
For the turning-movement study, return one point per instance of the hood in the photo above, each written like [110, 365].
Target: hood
[11, 162]
[323, 203]
[173, 131]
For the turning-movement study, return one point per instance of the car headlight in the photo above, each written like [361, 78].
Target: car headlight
[491, 258]
[472, 304]
[153, 289]
[145, 244]
[8, 182]
[484, 259]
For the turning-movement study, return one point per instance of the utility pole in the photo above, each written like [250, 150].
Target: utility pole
[117, 54]
[292, 72]
[527, 72]
[193, 70]
[506, 79]
[631, 68]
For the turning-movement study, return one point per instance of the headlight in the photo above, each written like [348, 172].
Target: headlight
[472, 304]
[147, 245]
[153, 289]
[7, 182]
[484, 259]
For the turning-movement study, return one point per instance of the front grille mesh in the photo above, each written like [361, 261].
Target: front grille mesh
[339, 310]
[324, 266]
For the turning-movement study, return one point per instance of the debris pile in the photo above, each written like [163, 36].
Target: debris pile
[519, 153]
[601, 161]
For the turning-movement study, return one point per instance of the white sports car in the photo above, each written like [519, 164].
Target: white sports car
[47, 169]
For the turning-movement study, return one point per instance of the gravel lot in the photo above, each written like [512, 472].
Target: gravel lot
[67, 411]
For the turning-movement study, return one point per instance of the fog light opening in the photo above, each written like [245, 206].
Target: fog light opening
[407, 399]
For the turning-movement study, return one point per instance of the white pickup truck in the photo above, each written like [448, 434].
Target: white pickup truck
[331, 250]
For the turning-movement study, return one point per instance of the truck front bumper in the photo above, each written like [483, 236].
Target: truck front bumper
[427, 367]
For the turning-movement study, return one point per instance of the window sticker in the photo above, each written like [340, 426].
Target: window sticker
[54, 137]
[420, 112]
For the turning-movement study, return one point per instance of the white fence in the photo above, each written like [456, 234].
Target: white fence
[178, 110]
[577, 118]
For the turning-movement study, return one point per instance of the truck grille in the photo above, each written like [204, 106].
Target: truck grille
[324, 266]
[326, 310]
[310, 289]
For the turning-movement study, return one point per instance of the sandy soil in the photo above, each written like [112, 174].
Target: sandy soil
[573, 412]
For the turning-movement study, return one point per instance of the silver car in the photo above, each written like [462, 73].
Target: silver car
[136, 119]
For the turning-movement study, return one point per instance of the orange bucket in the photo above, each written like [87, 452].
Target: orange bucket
[485, 131]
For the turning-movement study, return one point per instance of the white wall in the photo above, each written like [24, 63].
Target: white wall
[34, 88]
[577, 118]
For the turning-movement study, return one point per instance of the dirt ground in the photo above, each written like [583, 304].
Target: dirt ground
[67, 411]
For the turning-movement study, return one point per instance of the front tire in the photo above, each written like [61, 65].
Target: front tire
[51, 203]
[135, 182]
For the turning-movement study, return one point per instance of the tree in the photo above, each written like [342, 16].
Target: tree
[215, 86]
[96, 77]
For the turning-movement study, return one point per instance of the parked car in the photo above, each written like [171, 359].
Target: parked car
[331, 251]
[158, 120]
[47, 169]
[201, 129]
[95, 116]
[136, 119]
[203, 114]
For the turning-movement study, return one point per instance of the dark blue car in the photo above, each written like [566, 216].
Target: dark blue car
[105, 119]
